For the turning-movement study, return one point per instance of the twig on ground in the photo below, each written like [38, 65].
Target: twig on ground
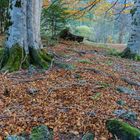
[135, 83]
[51, 89]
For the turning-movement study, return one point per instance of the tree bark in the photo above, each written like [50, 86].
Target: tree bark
[23, 45]
[133, 46]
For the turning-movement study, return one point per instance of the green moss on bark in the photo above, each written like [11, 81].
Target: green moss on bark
[123, 130]
[128, 54]
[15, 58]
[39, 58]
[11, 58]
[1, 51]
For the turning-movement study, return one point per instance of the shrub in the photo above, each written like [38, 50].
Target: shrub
[84, 31]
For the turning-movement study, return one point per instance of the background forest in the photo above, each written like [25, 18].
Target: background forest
[101, 24]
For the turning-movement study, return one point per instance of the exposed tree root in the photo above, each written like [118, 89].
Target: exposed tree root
[40, 58]
[11, 59]
[14, 59]
[128, 54]
[131, 82]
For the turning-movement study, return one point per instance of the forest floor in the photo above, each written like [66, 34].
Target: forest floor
[77, 94]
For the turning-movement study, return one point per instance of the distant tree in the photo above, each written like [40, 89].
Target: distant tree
[54, 18]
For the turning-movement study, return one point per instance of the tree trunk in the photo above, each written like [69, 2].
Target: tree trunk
[23, 46]
[133, 46]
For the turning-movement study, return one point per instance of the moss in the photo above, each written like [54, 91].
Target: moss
[128, 54]
[8, 24]
[39, 58]
[26, 62]
[3, 57]
[15, 58]
[11, 58]
[41, 132]
[45, 56]
[122, 130]
[1, 51]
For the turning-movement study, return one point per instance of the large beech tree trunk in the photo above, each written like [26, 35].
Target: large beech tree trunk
[133, 47]
[23, 45]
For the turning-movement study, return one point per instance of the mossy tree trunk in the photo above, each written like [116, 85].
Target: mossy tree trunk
[23, 45]
[133, 46]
